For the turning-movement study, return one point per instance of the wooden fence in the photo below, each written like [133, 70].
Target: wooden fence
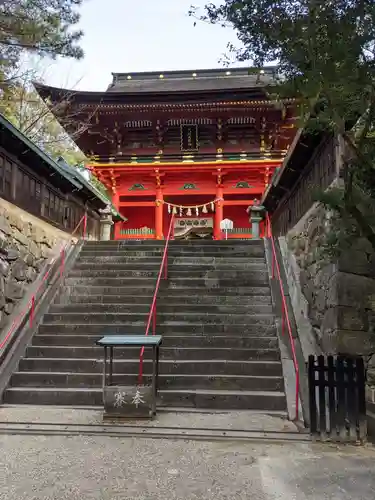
[337, 398]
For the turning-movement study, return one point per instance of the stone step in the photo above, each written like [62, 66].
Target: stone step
[235, 275]
[166, 289]
[124, 291]
[175, 243]
[125, 253]
[88, 380]
[132, 273]
[242, 280]
[164, 306]
[121, 264]
[115, 260]
[242, 276]
[124, 243]
[176, 264]
[224, 400]
[175, 253]
[180, 317]
[177, 354]
[132, 281]
[166, 328]
[165, 298]
[180, 367]
[213, 341]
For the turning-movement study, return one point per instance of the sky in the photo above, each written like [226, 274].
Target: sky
[144, 35]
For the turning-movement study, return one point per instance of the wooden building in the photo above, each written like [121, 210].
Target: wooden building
[50, 190]
[203, 145]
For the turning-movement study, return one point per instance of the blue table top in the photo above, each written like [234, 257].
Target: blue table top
[135, 340]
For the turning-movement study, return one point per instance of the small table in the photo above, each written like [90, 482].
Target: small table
[128, 401]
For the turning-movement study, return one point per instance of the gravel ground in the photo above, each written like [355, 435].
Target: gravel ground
[100, 468]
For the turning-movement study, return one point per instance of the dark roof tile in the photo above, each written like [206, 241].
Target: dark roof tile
[184, 81]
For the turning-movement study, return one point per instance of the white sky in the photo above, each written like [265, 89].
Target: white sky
[142, 35]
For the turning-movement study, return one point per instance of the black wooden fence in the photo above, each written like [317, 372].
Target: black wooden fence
[337, 398]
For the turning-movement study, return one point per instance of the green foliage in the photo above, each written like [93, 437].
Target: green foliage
[42, 27]
[325, 52]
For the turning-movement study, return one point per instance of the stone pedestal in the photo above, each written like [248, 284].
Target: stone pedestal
[256, 216]
[106, 223]
[123, 401]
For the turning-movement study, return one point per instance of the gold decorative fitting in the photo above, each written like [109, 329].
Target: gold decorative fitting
[161, 76]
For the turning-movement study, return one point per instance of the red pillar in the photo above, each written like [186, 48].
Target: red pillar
[159, 208]
[116, 204]
[219, 212]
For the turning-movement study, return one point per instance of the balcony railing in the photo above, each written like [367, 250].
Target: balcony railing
[189, 157]
[134, 232]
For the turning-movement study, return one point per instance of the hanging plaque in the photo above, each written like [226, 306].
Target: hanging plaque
[189, 137]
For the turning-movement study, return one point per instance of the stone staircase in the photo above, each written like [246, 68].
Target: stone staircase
[220, 349]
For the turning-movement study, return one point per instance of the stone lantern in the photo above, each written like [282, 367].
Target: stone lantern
[106, 223]
[256, 213]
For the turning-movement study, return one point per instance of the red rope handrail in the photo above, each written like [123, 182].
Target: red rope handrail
[31, 304]
[152, 313]
[285, 315]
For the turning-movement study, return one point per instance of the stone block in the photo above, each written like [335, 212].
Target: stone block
[21, 238]
[45, 250]
[38, 264]
[14, 291]
[16, 222]
[9, 307]
[345, 318]
[12, 254]
[29, 260]
[34, 249]
[354, 342]
[19, 269]
[4, 267]
[351, 290]
[122, 401]
[357, 262]
[30, 274]
[5, 226]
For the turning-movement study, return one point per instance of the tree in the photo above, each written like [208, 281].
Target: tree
[28, 112]
[31, 115]
[325, 51]
[43, 27]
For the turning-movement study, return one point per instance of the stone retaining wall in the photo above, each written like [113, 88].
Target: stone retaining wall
[333, 301]
[25, 244]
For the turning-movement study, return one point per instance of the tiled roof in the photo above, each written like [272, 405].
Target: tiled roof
[190, 81]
